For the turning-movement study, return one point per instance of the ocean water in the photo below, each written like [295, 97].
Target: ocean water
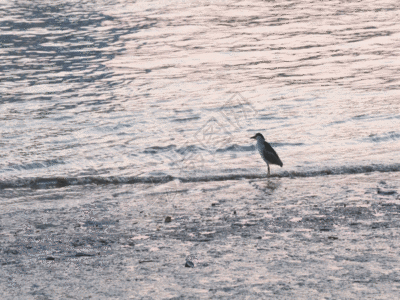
[119, 89]
[160, 99]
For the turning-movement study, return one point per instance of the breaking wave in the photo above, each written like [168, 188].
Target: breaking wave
[58, 182]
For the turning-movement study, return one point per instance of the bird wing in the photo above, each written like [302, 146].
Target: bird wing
[271, 155]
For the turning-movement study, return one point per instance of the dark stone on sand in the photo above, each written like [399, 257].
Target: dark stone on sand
[376, 225]
[50, 258]
[189, 264]
[77, 243]
[80, 254]
[168, 219]
[387, 193]
[145, 261]
[333, 238]
[44, 226]
[325, 229]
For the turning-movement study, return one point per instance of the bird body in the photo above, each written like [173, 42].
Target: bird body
[266, 151]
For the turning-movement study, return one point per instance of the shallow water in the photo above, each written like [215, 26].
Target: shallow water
[133, 111]
[155, 89]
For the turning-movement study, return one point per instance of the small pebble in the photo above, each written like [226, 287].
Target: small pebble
[189, 264]
[80, 254]
[380, 192]
[50, 258]
[168, 219]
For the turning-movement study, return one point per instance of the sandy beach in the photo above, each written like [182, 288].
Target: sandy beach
[247, 239]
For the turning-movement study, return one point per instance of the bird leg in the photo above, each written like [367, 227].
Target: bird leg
[269, 172]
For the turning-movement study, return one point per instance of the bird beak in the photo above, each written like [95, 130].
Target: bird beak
[253, 137]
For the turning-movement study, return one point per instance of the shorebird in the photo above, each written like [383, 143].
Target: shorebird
[267, 152]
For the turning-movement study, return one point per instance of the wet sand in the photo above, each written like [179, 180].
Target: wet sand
[324, 237]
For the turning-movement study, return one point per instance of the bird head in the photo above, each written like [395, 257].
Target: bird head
[257, 135]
